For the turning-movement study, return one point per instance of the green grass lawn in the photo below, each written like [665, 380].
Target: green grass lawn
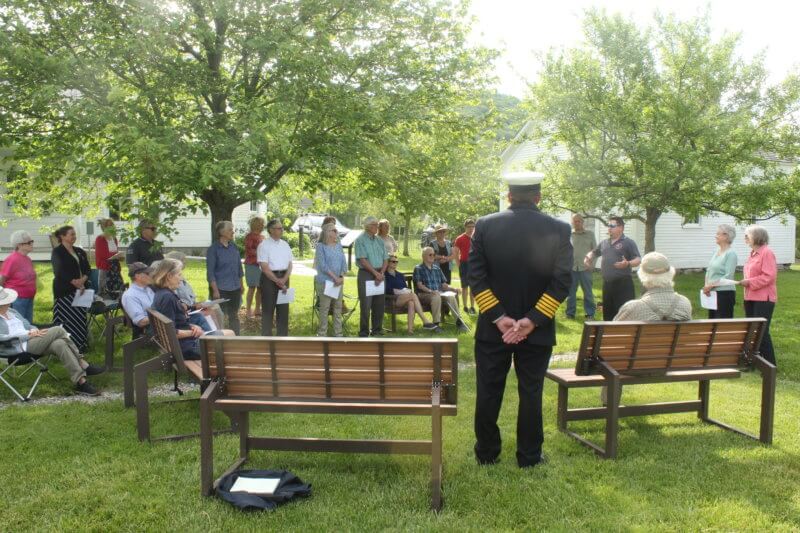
[78, 466]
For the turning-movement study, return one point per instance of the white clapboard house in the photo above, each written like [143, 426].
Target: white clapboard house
[687, 243]
[192, 232]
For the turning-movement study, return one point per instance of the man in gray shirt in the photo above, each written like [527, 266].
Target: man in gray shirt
[619, 254]
[583, 242]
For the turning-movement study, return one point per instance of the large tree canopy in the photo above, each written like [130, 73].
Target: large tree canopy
[665, 119]
[211, 102]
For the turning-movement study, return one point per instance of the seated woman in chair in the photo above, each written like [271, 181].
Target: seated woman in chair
[404, 298]
[166, 279]
[18, 336]
[209, 314]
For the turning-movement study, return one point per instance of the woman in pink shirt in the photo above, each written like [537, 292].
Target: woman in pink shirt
[760, 283]
[18, 273]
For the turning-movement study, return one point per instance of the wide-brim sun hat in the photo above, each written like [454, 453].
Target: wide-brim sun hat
[7, 296]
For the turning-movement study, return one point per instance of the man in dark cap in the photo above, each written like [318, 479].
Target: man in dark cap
[519, 271]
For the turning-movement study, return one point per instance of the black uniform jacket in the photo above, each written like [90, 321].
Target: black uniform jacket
[519, 266]
[65, 269]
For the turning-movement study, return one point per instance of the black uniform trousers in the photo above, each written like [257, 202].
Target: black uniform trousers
[369, 304]
[492, 363]
[755, 309]
[616, 292]
[269, 309]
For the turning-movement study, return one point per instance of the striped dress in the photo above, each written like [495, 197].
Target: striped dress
[67, 267]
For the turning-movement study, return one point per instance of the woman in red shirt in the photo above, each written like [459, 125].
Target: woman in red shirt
[252, 272]
[463, 243]
[106, 258]
[760, 283]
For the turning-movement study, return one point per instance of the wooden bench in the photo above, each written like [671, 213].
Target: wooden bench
[170, 359]
[615, 354]
[328, 375]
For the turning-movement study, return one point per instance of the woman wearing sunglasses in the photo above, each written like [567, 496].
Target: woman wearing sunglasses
[18, 273]
[404, 298]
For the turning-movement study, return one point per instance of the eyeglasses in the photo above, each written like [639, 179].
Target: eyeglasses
[150, 227]
[278, 227]
[393, 260]
[612, 226]
[29, 242]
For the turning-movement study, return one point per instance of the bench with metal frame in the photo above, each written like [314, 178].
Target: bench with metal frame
[328, 375]
[616, 354]
[170, 359]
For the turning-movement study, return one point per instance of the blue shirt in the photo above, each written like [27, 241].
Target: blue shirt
[167, 303]
[135, 302]
[433, 277]
[329, 258]
[224, 266]
[398, 281]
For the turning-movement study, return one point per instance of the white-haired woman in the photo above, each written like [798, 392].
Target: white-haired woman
[388, 241]
[166, 279]
[722, 266]
[331, 266]
[760, 283]
[224, 272]
[17, 273]
[660, 301]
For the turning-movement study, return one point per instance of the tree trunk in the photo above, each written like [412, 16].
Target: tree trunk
[407, 221]
[652, 216]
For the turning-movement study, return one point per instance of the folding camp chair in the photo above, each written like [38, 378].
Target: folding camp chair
[349, 305]
[26, 361]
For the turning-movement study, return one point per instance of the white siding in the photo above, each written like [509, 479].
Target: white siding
[688, 246]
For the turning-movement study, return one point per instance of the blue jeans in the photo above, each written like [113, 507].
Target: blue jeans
[584, 279]
[24, 306]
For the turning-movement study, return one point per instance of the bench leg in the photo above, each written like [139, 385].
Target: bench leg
[704, 392]
[612, 419]
[128, 360]
[768, 377]
[110, 332]
[243, 422]
[436, 452]
[142, 400]
[563, 405]
[207, 439]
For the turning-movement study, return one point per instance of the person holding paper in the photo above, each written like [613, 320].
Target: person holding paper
[331, 266]
[432, 288]
[106, 258]
[166, 279]
[70, 275]
[760, 284]
[17, 335]
[206, 315]
[722, 266]
[405, 299]
[275, 259]
[371, 258]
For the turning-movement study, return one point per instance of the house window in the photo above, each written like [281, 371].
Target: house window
[691, 222]
[254, 206]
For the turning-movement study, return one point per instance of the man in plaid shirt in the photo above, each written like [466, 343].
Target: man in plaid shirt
[430, 282]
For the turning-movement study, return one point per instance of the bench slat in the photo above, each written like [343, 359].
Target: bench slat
[568, 377]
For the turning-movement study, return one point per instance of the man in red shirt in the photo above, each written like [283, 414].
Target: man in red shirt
[463, 243]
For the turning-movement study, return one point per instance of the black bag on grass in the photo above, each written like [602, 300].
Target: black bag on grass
[289, 487]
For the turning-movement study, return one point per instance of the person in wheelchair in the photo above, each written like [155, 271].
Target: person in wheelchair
[18, 338]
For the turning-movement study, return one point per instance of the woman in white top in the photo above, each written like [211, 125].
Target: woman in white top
[388, 241]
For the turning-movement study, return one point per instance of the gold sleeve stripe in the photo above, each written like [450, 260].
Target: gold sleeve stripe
[485, 307]
[549, 299]
[548, 312]
[486, 300]
[548, 303]
[484, 292]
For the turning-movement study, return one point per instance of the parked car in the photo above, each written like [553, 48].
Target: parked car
[312, 225]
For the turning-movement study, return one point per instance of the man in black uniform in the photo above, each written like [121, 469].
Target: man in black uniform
[519, 271]
[144, 249]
